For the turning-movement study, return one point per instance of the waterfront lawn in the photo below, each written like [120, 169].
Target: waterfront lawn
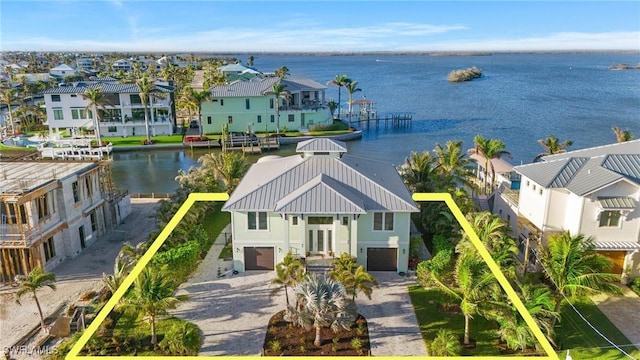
[137, 140]
[574, 334]
[426, 304]
[15, 151]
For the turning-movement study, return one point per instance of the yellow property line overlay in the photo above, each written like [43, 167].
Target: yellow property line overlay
[442, 197]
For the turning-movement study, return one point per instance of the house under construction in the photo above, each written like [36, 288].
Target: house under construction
[53, 210]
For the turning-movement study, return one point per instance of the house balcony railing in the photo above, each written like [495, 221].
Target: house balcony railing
[510, 195]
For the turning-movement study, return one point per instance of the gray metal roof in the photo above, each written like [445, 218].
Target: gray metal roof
[108, 87]
[321, 144]
[322, 194]
[617, 245]
[584, 174]
[628, 147]
[321, 184]
[257, 87]
[619, 203]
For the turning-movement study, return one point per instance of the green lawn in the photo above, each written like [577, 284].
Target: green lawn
[137, 140]
[431, 319]
[572, 332]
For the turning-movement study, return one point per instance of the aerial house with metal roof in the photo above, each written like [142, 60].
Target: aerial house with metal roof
[251, 105]
[593, 191]
[321, 202]
[121, 115]
[53, 210]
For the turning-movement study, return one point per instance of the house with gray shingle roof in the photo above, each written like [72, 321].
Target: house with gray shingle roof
[123, 115]
[321, 202]
[252, 104]
[594, 191]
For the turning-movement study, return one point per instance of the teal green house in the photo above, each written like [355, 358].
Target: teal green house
[250, 105]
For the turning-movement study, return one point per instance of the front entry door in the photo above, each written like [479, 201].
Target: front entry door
[320, 239]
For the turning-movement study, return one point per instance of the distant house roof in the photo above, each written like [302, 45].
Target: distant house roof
[321, 185]
[321, 144]
[584, 171]
[63, 67]
[237, 69]
[500, 165]
[262, 86]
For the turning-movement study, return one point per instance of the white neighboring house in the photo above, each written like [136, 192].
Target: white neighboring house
[84, 63]
[62, 71]
[122, 64]
[321, 202]
[594, 191]
[124, 116]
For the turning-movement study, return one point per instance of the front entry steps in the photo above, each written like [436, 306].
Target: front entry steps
[319, 264]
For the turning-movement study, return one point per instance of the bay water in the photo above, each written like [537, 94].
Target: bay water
[521, 98]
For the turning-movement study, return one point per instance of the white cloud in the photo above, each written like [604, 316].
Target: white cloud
[397, 36]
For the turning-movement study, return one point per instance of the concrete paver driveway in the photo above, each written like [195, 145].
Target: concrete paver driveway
[233, 313]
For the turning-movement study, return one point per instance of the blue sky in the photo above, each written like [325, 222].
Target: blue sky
[262, 26]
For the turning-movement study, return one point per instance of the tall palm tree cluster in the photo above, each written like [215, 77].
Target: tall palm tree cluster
[341, 80]
[323, 300]
[446, 169]
[569, 263]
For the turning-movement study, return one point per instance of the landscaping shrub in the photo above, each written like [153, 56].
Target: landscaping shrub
[180, 260]
[635, 285]
[181, 339]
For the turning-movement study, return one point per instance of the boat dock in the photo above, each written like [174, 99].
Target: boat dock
[268, 143]
[396, 121]
[76, 152]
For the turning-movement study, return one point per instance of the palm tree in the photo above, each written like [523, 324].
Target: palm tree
[552, 145]
[494, 234]
[489, 149]
[97, 100]
[228, 167]
[419, 172]
[538, 300]
[197, 98]
[474, 284]
[574, 268]
[322, 303]
[147, 91]
[451, 163]
[352, 87]
[31, 283]
[282, 72]
[353, 276]
[339, 81]
[622, 135]
[8, 96]
[151, 296]
[288, 273]
[280, 93]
